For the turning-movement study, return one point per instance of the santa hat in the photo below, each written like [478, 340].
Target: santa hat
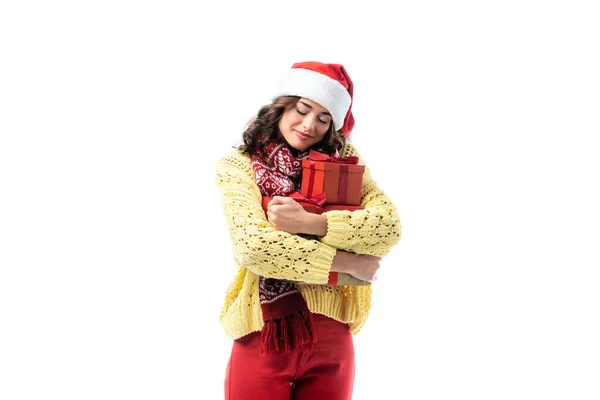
[327, 84]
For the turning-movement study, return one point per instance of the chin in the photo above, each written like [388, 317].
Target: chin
[299, 147]
[296, 143]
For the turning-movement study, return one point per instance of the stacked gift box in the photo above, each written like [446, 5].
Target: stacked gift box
[330, 183]
[340, 178]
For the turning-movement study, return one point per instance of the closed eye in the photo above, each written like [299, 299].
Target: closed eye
[306, 112]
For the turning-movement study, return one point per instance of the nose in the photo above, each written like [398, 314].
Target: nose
[308, 123]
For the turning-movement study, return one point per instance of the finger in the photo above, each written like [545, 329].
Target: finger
[272, 220]
[283, 200]
[272, 223]
[277, 200]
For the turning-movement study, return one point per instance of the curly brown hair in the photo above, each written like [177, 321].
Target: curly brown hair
[267, 120]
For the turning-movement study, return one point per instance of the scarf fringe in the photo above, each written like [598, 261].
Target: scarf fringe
[296, 331]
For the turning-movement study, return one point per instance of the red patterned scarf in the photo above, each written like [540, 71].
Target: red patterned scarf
[287, 320]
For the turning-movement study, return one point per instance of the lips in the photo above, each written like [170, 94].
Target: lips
[302, 136]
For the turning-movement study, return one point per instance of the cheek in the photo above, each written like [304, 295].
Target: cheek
[323, 131]
[287, 119]
[284, 122]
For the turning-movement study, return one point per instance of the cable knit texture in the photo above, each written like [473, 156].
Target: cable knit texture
[259, 250]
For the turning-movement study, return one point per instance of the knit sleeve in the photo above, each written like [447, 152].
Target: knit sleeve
[373, 230]
[256, 244]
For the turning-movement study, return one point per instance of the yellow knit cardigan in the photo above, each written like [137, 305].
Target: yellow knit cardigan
[260, 250]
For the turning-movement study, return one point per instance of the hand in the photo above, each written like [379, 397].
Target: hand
[285, 214]
[366, 267]
[361, 266]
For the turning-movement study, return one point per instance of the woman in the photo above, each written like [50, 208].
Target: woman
[292, 330]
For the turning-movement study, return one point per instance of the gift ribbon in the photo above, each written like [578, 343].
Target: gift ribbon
[318, 156]
[343, 188]
[317, 200]
[332, 279]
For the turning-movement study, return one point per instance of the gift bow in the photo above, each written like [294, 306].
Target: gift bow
[317, 200]
[318, 156]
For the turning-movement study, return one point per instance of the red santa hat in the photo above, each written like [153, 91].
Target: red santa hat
[327, 84]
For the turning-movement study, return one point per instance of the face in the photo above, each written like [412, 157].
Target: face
[304, 124]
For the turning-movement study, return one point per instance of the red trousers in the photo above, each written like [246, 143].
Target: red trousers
[327, 372]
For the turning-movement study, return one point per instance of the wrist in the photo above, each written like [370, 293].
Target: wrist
[343, 262]
[315, 224]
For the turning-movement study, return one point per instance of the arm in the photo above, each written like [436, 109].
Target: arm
[374, 230]
[361, 267]
[285, 214]
[256, 244]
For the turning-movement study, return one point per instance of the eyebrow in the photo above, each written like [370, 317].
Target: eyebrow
[309, 106]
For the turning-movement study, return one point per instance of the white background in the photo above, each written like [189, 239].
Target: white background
[479, 119]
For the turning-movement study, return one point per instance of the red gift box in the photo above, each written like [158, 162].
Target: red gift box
[313, 205]
[340, 178]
